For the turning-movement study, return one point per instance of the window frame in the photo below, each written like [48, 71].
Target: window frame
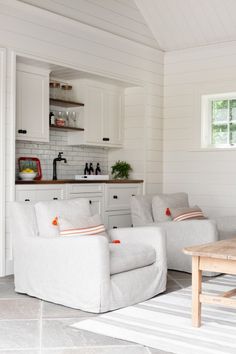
[207, 122]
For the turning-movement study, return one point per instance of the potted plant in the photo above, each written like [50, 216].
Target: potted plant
[121, 170]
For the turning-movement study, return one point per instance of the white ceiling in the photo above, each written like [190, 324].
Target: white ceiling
[180, 24]
[120, 17]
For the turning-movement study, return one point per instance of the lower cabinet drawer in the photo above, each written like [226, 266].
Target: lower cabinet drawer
[116, 220]
[36, 193]
[117, 196]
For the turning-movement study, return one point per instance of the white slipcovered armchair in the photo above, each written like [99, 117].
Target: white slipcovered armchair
[178, 234]
[85, 272]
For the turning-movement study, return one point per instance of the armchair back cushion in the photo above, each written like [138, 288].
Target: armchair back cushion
[71, 210]
[161, 202]
[141, 210]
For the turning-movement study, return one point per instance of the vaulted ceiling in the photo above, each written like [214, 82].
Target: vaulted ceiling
[120, 17]
[180, 24]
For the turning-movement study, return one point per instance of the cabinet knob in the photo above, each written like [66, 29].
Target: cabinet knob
[114, 227]
[20, 131]
[106, 139]
[55, 198]
[24, 131]
[27, 200]
[133, 195]
[90, 202]
[115, 197]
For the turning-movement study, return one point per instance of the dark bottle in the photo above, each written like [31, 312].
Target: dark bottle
[91, 170]
[86, 169]
[98, 170]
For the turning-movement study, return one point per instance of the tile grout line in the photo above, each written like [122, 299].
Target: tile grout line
[176, 281]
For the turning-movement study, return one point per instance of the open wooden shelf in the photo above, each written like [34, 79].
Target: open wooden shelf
[63, 103]
[52, 126]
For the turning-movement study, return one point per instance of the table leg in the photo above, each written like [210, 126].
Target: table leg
[196, 291]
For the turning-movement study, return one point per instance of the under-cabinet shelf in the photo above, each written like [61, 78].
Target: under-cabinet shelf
[53, 126]
[63, 103]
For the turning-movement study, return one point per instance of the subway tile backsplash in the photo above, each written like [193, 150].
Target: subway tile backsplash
[76, 156]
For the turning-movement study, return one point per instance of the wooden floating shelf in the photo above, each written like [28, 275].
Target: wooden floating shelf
[65, 128]
[63, 103]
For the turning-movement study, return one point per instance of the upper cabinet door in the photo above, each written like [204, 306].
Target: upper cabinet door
[113, 117]
[93, 115]
[32, 105]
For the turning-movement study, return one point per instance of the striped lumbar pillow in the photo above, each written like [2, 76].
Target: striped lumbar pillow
[181, 214]
[83, 231]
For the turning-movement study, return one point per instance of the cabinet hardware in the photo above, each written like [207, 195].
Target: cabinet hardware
[133, 195]
[55, 198]
[27, 200]
[90, 202]
[24, 131]
[115, 197]
[106, 139]
[115, 227]
[20, 131]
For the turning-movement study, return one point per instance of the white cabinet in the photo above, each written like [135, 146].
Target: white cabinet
[102, 116]
[115, 212]
[32, 104]
[93, 192]
[34, 193]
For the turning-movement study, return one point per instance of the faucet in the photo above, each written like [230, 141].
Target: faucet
[58, 158]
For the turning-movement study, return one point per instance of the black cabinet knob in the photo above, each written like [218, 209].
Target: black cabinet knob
[20, 131]
[27, 200]
[115, 197]
[90, 202]
[114, 227]
[24, 131]
[106, 139]
[55, 198]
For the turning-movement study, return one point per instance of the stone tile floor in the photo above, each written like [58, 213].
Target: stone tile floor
[32, 326]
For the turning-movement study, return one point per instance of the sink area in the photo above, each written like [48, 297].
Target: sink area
[92, 177]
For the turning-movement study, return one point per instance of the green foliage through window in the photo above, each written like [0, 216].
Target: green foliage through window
[223, 124]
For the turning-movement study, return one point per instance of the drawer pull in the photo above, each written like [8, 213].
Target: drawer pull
[24, 131]
[27, 200]
[106, 139]
[90, 202]
[115, 227]
[133, 195]
[20, 131]
[55, 198]
[115, 197]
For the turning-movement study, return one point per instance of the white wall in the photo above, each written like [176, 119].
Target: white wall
[208, 176]
[34, 32]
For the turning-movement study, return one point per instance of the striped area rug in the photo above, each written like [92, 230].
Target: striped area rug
[164, 322]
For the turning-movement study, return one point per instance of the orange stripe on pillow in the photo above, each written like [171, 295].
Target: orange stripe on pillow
[92, 230]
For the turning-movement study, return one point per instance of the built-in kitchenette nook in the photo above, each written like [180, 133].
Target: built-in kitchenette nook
[67, 119]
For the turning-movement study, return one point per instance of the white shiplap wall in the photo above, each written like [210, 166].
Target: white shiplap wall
[118, 17]
[208, 176]
[34, 32]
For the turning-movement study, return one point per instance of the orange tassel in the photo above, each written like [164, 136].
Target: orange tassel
[55, 221]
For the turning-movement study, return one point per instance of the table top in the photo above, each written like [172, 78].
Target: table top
[225, 249]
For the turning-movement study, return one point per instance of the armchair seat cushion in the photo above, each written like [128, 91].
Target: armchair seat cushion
[126, 257]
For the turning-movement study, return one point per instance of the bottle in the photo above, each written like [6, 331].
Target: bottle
[86, 169]
[51, 118]
[91, 170]
[98, 170]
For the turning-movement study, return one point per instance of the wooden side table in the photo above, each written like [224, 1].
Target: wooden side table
[217, 257]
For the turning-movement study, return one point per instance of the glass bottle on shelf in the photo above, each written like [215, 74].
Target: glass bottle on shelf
[86, 169]
[91, 170]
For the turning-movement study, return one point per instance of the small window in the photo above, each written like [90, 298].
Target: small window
[219, 120]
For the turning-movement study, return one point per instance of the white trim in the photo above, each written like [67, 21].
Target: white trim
[2, 157]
